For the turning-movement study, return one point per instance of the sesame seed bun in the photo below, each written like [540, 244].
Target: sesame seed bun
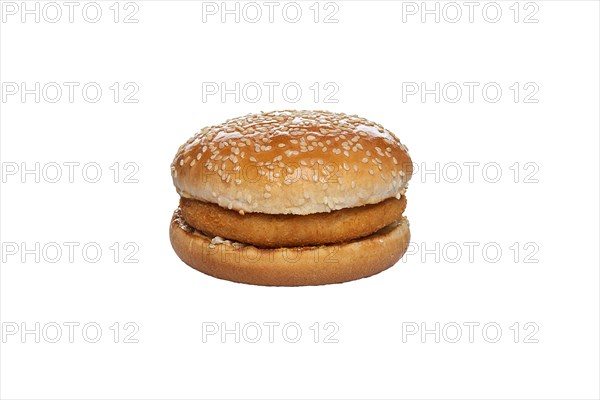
[291, 266]
[292, 162]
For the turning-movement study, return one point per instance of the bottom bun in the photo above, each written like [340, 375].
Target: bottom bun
[289, 266]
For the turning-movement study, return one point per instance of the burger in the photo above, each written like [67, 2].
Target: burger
[291, 198]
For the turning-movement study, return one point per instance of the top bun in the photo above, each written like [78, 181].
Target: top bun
[292, 162]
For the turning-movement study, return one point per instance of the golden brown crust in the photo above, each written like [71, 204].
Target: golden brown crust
[278, 230]
[297, 266]
[292, 162]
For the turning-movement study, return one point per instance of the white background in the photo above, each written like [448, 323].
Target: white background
[368, 54]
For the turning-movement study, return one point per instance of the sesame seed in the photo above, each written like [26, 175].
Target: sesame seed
[365, 160]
